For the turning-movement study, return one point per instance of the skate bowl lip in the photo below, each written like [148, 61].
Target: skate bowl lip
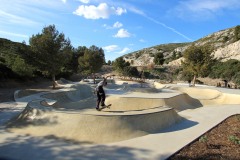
[127, 113]
[93, 112]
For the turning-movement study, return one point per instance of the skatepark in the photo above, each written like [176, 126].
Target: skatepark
[144, 121]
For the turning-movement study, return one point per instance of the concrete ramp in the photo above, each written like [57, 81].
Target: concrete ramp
[91, 126]
[183, 102]
[210, 96]
[127, 103]
[199, 93]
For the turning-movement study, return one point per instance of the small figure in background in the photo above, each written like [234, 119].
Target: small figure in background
[189, 83]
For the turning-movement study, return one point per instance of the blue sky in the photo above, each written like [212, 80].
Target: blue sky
[118, 26]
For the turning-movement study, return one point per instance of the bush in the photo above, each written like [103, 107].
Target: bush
[226, 70]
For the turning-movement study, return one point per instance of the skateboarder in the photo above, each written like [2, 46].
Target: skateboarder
[100, 92]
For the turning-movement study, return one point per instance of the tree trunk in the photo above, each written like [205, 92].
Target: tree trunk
[194, 80]
[53, 82]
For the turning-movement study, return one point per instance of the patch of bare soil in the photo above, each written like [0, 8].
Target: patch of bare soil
[220, 143]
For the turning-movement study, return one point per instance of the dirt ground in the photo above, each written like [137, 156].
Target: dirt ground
[220, 143]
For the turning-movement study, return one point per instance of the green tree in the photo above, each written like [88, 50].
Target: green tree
[236, 78]
[15, 59]
[51, 51]
[78, 52]
[198, 61]
[228, 70]
[22, 68]
[237, 33]
[130, 71]
[119, 65]
[92, 61]
[159, 58]
[109, 63]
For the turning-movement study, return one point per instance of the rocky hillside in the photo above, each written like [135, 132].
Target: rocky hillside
[226, 46]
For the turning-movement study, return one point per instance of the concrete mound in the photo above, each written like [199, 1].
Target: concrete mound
[36, 113]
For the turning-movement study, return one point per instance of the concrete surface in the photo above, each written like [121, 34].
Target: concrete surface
[141, 124]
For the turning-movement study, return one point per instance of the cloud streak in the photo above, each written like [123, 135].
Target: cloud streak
[204, 9]
[11, 18]
[139, 12]
[143, 14]
[13, 34]
[169, 28]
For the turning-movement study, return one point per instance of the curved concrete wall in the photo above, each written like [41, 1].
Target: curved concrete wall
[76, 93]
[93, 127]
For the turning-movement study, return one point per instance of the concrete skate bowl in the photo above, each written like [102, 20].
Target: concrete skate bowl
[132, 114]
[208, 97]
[73, 116]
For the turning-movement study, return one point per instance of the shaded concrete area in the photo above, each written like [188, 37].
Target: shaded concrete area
[23, 147]
[142, 123]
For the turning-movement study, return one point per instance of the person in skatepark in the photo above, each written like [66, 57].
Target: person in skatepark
[101, 93]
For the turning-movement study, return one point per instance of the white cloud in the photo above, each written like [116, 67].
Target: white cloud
[96, 12]
[64, 1]
[120, 11]
[116, 49]
[111, 48]
[84, 1]
[122, 33]
[124, 51]
[142, 40]
[117, 25]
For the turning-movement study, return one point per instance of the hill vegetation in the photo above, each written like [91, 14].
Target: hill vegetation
[224, 52]
[50, 54]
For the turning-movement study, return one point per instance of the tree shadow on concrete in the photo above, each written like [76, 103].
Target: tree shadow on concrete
[39, 148]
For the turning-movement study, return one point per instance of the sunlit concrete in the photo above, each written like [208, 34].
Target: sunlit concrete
[150, 122]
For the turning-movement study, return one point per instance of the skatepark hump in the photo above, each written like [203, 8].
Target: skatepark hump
[136, 110]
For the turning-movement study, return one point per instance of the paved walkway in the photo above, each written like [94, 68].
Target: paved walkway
[153, 146]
